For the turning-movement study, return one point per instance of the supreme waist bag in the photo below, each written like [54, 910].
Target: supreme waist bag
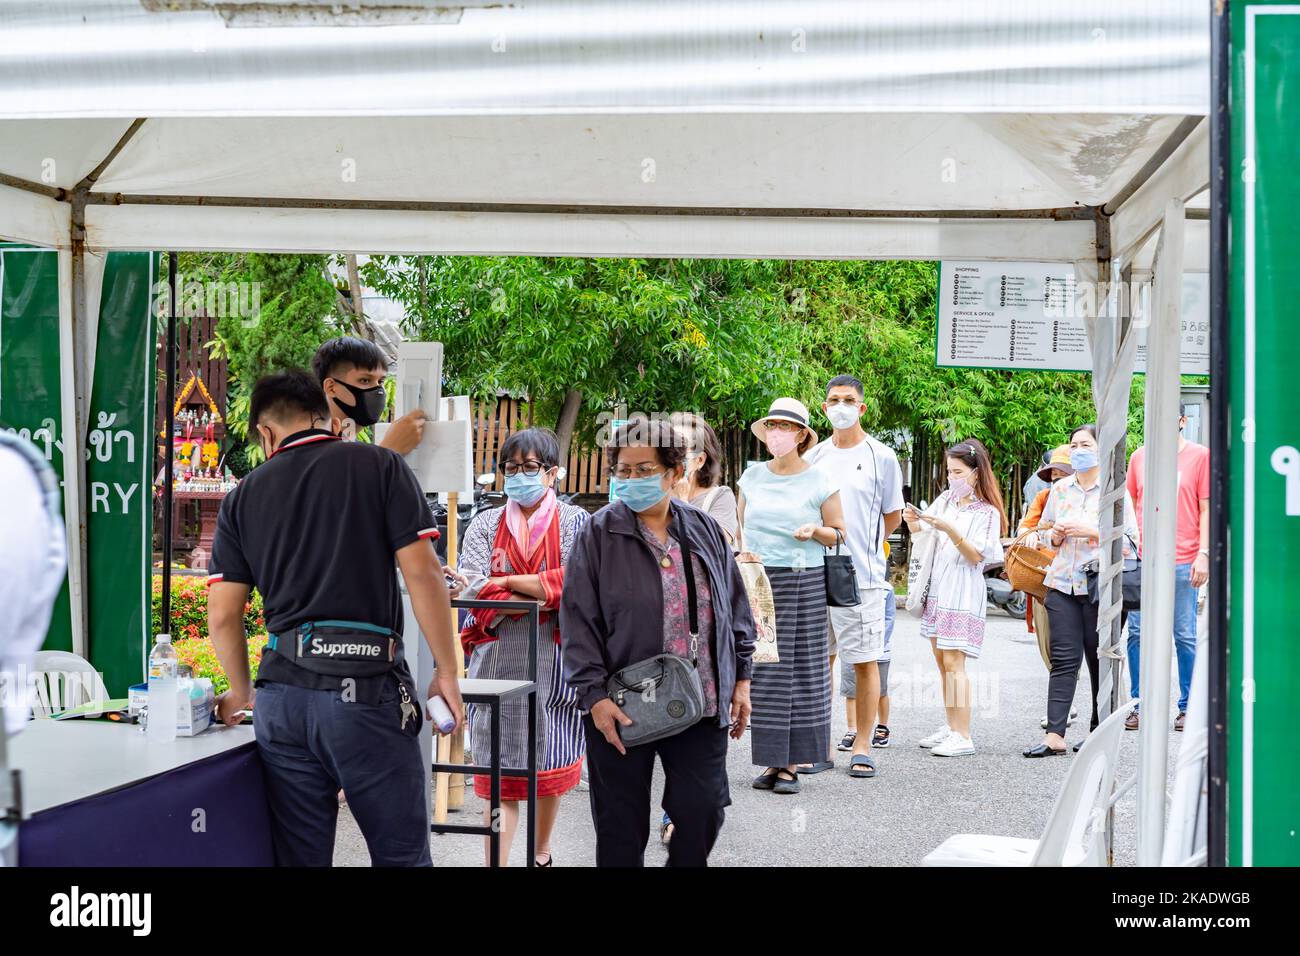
[338, 648]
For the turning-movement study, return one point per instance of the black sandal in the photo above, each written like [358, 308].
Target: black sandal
[766, 780]
[846, 742]
[782, 785]
[880, 738]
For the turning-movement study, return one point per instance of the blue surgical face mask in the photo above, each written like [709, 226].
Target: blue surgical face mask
[525, 490]
[640, 494]
[1083, 459]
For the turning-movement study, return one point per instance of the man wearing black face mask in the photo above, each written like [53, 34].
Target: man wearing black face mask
[336, 706]
[352, 373]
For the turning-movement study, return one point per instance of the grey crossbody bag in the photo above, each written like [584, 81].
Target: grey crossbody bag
[662, 694]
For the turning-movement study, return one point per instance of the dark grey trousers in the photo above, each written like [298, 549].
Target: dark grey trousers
[313, 743]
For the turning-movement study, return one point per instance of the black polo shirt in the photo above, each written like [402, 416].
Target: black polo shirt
[315, 529]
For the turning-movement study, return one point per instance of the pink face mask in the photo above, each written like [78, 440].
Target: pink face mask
[780, 443]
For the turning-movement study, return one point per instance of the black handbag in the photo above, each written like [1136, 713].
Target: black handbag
[663, 695]
[841, 577]
[1130, 581]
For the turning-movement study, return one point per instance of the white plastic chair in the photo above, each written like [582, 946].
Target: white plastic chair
[61, 680]
[1075, 831]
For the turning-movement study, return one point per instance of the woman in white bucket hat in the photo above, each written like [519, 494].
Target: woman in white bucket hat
[788, 512]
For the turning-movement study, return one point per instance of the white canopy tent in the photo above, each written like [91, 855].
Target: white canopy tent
[1033, 130]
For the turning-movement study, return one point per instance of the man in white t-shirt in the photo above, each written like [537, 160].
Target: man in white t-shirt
[871, 490]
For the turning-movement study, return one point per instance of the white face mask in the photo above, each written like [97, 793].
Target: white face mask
[842, 416]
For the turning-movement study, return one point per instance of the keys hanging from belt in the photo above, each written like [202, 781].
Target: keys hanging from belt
[408, 708]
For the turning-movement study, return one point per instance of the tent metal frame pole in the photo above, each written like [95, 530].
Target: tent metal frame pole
[75, 383]
[1058, 214]
[1159, 514]
[1115, 593]
[72, 409]
[169, 427]
[1217, 604]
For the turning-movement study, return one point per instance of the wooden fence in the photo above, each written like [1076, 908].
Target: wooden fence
[497, 419]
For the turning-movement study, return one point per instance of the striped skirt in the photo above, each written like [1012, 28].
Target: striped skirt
[560, 739]
[791, 721]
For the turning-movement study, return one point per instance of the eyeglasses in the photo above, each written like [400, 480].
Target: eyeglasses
[642, 470]
[843, 401]
[784, 425]
[530, 468]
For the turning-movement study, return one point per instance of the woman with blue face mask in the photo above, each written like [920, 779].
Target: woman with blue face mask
[519, 552]
[1072, 511]
[627, 599]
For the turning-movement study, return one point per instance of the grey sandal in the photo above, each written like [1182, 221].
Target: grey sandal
[860, 765]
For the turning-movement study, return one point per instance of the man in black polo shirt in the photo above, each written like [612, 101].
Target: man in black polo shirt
[315, 529]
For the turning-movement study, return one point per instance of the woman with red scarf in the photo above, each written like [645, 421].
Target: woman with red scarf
[510, 554]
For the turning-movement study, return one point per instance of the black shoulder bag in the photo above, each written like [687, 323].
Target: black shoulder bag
[1130, 580]
[841, 577]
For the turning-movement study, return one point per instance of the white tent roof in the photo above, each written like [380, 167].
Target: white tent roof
[950, 128]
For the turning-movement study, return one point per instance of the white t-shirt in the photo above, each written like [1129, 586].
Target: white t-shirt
[871, 485]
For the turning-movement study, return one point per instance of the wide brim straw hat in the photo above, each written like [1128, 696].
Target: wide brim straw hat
[790, 409]
[1060, 461]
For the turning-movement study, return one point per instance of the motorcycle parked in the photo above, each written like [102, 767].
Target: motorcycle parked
[484, 500]
[999, 592]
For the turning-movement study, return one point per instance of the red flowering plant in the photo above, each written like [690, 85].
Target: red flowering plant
[189, 627]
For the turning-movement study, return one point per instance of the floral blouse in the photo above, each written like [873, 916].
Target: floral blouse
[1068, 502]
[677, 617]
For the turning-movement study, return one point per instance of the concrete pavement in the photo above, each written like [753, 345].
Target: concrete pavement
[894, 819]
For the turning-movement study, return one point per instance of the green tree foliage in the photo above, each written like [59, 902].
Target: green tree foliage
[298, 311]
[723, 337]
[654, 335]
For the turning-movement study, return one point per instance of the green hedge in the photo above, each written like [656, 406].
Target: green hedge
[189, 627]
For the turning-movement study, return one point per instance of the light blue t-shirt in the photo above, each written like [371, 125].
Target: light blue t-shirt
[775, 505]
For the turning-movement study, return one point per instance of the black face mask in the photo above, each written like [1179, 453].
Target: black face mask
[369, 404]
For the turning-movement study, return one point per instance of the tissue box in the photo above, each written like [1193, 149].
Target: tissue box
[196, 703]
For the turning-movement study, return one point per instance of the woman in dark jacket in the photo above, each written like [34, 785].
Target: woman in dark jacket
[624, 601]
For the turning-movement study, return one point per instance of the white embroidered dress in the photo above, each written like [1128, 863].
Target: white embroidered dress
[955, 604]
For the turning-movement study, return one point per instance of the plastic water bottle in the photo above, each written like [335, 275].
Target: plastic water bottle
[163, 691]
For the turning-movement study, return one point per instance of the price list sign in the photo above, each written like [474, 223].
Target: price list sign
[1028, 315]
[1010, 315]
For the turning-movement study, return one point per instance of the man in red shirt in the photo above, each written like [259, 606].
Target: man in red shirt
[1191, 561]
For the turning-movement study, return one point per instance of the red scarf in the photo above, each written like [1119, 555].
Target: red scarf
[543, 561]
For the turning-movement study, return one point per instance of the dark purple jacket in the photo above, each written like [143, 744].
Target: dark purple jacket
[612, 609]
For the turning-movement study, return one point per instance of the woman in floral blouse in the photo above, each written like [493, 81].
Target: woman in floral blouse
[1072, 511]
[964, 527]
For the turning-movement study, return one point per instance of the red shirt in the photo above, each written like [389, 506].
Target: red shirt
[1193, 488]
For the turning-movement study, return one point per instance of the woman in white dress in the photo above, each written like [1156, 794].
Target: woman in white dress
[964, 527]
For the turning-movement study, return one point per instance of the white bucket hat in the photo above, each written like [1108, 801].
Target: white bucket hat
[790, 409]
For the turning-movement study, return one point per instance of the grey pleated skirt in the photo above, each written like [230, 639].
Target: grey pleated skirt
[791, 720]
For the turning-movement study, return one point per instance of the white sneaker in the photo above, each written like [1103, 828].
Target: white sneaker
[938, 737]
[955, 746]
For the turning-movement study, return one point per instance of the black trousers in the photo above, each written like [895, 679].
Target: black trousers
[695, 793]
[1073, 620]
[314, 743]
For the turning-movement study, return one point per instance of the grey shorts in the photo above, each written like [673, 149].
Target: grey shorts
[849, 678]
[857, 634]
